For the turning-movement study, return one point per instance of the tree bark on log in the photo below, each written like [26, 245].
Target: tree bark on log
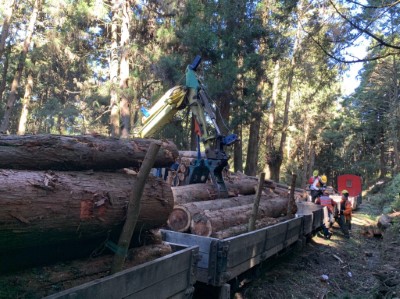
[204, 224]
[42, 208]
[58, 152]
[278, 188]
[204, 192]
[243, 228]
[181, 216]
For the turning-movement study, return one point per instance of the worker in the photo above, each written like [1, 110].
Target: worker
[316, 183]
[326, 201]
[173, 167]
[344, 214]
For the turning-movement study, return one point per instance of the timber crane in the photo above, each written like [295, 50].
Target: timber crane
[194, 96]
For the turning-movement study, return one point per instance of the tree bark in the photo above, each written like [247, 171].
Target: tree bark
[201, 192]
[114, 104]
[181, 216]
[292, 207]
[17, 77]
[269, 139]
[8, 13]
[125, 106]
[238, 151]
[204, 224]
[48, 208]
[25, 105]
[56, 152]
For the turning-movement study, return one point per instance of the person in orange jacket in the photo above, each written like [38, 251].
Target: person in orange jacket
[344, 214]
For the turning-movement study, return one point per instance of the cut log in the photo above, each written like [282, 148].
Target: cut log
[204, 224]
[243, 228]
[44, 208]
[57, 152]
[190, 155]
[181, 216]
[202, 192]
[278, 188]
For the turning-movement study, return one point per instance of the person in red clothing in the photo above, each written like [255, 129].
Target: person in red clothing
[344, 214]
[325, 201]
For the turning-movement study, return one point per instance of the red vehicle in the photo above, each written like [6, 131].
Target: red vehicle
[353, 184]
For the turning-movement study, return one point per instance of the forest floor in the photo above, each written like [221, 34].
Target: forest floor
[364, 266]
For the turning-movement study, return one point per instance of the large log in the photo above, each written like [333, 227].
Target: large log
[57, 152]
[204, 192]
[43, 208]
[278, 188]
[204, 224]
[181, 216]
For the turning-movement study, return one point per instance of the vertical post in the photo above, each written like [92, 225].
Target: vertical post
[134, 207]
[254, 212]
[292, 207]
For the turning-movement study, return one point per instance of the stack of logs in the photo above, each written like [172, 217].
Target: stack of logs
[62, 195]
[199, 209]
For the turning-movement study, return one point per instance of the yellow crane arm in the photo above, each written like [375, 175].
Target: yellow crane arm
[162, 111]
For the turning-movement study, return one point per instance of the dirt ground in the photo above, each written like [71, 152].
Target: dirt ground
[364, 266]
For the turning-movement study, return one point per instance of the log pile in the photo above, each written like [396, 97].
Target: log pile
[198, 208]
[225, 217]
[67, 194]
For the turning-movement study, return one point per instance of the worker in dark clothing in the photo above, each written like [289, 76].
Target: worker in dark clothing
[325, 201]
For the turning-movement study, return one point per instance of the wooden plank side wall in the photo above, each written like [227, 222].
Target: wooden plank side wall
[318, 218]
[248, 250]
[169, 276]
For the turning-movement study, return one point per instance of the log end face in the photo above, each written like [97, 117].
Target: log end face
[201, 226]
[179, 220]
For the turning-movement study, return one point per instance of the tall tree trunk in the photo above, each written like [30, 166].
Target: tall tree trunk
[271, 122]
[256, 117]
[395, 118]
[382, 160]
[17, 77]
[252, 148]
[279, 154]
[114, 105]
[238, 151]
[3, 83]
[6, 26]
[25, 105]
[125, 107]
[306, 157]
[224, 108]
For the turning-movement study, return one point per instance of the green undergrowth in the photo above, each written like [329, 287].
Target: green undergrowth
[388, 200]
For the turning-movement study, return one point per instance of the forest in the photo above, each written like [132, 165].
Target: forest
[273, 68]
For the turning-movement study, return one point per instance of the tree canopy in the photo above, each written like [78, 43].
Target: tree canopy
[273, 69]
